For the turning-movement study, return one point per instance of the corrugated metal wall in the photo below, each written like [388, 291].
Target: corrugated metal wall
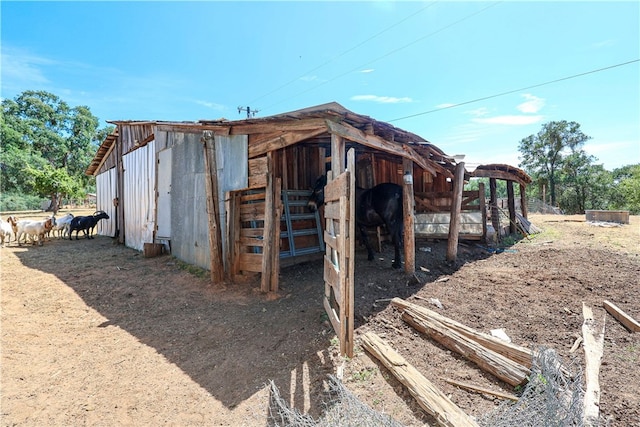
[139, 196]
[189, 221]
[106, 192]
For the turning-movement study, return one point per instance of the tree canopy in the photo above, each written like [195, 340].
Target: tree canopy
[46, 147]
[555, 160]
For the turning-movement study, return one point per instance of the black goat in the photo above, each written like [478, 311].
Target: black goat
[86, 224]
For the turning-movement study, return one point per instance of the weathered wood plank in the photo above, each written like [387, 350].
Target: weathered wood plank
[627, 321]
[489, 361]
[258, 172]
[428, 396]
[250, 262]
[454, 224]
[282, 141]
[518, 354]
[593, 350]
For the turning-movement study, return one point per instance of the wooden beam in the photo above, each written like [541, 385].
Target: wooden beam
[428, 396]
[488, 360]
[627, 321]
[352, 134]
[593, 350]
[409, 217]
[496, 174]
[211, 184]
[454, 222]
[270, 227]
[282, 141]
[269, 127]
[519, 354]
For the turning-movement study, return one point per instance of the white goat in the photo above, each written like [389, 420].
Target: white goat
[62, 225]
[32, 229]
[6, 228]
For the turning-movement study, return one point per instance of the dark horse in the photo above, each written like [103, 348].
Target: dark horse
[380, 205]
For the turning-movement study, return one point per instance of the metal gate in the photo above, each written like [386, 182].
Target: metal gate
[339, 196]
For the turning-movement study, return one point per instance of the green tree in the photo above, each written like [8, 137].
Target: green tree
[39, 129]
[627, 186]
[54, 184]
[543, 154]
[583, 185]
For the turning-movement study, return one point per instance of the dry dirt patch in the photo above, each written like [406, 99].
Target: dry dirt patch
[93, 333]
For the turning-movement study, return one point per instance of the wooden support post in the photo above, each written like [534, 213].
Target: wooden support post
[211, 183]
[493, 201]
[512, 208]
[454, 221]
[523, 200]
[409, 218]
[483, 210]
[337, 154]
[268, 252]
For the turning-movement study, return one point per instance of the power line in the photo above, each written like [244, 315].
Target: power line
[387, 54]
[515, 90]
[345, 52]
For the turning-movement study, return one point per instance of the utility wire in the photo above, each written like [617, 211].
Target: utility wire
[345, 52]
[387, 54]
[515, 90]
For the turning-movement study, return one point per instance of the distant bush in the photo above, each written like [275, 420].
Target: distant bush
[19, 202]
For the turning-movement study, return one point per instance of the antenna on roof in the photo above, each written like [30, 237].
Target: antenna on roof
[250, 112]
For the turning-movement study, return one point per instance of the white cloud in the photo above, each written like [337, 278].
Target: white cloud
[23, 69]
[309, 78]
[211, 105]
[368, 70]
[509, 120]
[479, 112]
[533, 104]
[381, 99]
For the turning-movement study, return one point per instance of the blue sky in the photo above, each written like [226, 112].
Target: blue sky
[402, 62]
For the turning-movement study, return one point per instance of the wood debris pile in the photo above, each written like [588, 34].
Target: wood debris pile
[509, 362]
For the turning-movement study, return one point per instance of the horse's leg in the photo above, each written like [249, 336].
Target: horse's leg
[365, 240]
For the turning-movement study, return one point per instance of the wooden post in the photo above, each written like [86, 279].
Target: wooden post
[483, 210]
[456, 204]
[269, 232]
[493, 201]
[409, 219]
[523, 200]
[337, 154]
[211, 183]
[512, 208]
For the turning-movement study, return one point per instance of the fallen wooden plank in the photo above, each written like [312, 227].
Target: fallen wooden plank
[627, 321]
[482, 390]
[488, 360]
[593, 350]
[428, 396]
[518, 354]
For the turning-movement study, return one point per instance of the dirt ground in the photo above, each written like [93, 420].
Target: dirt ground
[95, 334]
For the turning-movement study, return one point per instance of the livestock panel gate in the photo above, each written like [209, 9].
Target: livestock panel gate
[339, 196]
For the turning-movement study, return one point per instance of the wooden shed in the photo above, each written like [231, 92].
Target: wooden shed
[230, 196]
